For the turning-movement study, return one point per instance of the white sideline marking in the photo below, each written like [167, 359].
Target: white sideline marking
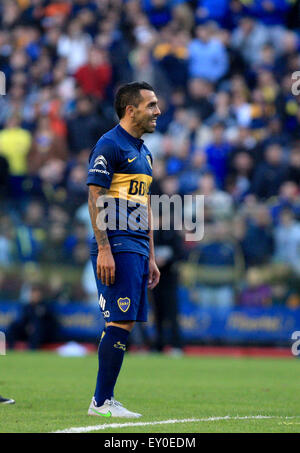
[85, 429]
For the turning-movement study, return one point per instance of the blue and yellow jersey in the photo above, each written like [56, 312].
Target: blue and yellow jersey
[123, 164]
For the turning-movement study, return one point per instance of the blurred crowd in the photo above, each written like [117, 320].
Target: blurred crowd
[229, 130]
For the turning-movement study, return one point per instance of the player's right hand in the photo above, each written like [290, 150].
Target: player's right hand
[106, 266]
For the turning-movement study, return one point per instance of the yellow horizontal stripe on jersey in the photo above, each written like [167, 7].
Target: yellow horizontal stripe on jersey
[134, 187]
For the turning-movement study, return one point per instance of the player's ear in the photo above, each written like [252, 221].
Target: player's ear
[130, 110]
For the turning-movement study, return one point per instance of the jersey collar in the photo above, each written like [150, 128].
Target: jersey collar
[135, 141]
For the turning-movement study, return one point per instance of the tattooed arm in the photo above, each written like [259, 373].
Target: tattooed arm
[105, 259]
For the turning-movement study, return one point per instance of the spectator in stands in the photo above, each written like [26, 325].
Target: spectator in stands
[215, 10]
[95, 76]
[268, 88]
[248, 38]
[272, 13]
[30, 233]
[270, 174]
[256, 238]
[287, 240]
[200, 97]
[220, 263]
[52, 175]
[288, 198]
[275, 133]
[200, 134]
[267, 58]
[240, 172]
[293, 171]
[222, 111]
[74, 46]
[195, 168]
[46, 146]
[55, 252]
[243, 139]
[146, 69]
[158, 11]
[287, 107]
[57, 213]
[52, 53]
[76, 186]
[219, 204]
[85, 127]
[36, 324]
[171, 56]
[218, 153]
[15, 144]
[179, 128]
[35, 217]
[256, 293]
[208, 58]
[76, 236]
[183, 15]
[80, 255]
[288, 58]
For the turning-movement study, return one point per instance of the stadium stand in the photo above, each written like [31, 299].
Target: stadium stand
[229, 129]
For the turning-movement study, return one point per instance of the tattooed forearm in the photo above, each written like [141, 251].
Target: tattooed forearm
[94, 210]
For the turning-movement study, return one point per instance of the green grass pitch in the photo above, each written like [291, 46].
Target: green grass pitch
[53, 393]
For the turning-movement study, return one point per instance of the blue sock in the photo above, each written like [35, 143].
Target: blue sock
[110, 355]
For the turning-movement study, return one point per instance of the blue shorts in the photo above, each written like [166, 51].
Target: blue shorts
[126, 299]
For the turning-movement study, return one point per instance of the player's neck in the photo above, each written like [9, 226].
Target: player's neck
[136, 133]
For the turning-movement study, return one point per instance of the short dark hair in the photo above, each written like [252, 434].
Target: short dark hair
[129, 94]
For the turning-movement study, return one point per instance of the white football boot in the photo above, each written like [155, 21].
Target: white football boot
[111, 408]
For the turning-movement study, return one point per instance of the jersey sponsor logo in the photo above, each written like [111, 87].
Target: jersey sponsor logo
[120, 345]
[137, 187]
[131, 160]
[124, 304]
[95, 170]
[106, 314]
[133, 187]
[102, 302]
[149, 161]
[100, 160]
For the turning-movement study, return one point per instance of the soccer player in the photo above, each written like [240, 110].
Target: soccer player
[120, 167]
[6, 400]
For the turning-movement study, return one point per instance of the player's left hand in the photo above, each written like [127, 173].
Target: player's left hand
[154, 274]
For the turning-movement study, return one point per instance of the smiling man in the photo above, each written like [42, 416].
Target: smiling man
[123, 258]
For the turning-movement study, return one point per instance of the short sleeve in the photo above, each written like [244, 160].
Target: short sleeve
[102, 164]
